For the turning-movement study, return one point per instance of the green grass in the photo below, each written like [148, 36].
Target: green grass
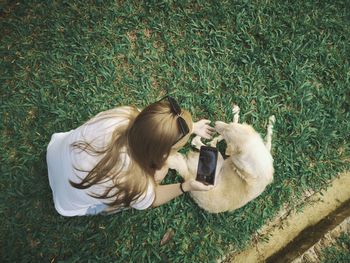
[64, 61]
[339, 252]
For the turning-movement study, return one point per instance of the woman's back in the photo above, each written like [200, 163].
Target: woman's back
[67, 163]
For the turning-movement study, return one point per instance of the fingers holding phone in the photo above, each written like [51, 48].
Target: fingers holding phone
[199, 186]
[206, 171]
[208, 160]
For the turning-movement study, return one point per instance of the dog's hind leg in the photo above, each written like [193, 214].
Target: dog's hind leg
[268, 137]
[196, 142]
[235, 112]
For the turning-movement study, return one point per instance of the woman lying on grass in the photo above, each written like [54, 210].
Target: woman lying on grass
[118, 158]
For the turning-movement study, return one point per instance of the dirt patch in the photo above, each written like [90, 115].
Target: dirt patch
[281, 232]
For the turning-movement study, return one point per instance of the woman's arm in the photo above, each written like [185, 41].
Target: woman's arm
[165, 193]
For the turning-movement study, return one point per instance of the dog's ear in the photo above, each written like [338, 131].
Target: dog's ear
[233, 150]
[237, 150]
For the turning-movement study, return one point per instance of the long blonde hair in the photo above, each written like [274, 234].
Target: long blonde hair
[147, 138]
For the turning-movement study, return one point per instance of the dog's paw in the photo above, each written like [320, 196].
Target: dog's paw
[215, 141]
[196, 142]
[272, 120]
[235, 109]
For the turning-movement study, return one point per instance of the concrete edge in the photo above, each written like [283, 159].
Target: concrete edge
[281, 232]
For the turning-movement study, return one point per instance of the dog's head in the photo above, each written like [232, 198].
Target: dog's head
[246, 148]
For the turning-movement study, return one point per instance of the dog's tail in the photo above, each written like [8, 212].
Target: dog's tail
[268, 137]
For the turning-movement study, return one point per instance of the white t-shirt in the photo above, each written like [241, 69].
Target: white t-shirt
[62, 160]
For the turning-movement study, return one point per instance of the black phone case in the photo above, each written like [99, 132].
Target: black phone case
[207, 162]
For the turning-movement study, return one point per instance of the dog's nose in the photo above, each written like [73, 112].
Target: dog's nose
[219, 126]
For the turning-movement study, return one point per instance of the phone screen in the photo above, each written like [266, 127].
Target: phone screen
[208, 157]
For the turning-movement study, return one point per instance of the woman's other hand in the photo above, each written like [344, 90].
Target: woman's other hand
[203, 129]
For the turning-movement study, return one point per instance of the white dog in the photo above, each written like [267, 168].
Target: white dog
[242, 176]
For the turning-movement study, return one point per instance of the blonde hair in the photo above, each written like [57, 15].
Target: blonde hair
[148, 138]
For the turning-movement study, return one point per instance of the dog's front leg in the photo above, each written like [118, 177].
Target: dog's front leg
[178, 162]
[197, 142]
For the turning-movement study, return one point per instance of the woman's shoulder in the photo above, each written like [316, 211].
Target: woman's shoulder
[123, 112]
[113, 117]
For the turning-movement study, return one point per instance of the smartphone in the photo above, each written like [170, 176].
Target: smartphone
[208, 158]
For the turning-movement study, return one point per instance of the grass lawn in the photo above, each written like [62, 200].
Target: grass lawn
[338, 252]
[62, 62]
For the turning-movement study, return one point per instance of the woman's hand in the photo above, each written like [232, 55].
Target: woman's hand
[193, 185]
[160, 174]
[203, 129]
[165, 193]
